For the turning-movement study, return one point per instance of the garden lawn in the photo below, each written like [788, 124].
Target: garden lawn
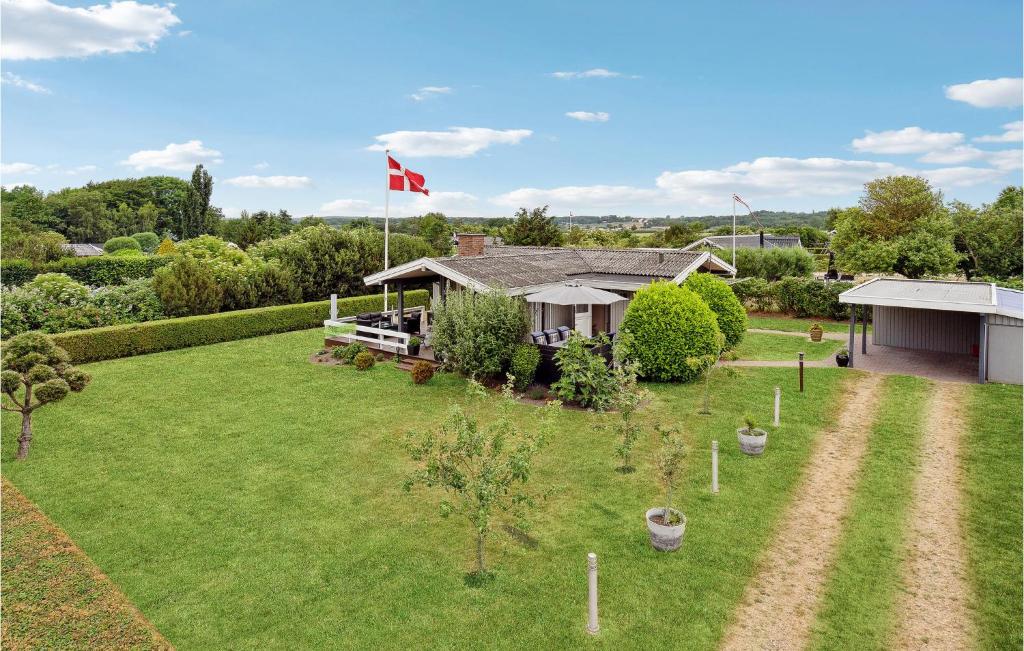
[793, 324]
[992, 459]
[245, 498]
[764, 347]
[857, 609]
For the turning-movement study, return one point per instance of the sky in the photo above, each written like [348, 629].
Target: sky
[645, 109]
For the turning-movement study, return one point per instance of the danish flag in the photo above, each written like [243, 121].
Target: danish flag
[404, 180]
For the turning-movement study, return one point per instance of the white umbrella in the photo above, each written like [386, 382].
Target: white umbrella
[572, 293]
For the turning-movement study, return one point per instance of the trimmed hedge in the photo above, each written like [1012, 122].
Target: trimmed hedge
[113, 342]
[16, 272]
[107, 269]
[801, 297]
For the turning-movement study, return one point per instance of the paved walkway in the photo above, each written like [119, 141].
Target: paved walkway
[887, 360]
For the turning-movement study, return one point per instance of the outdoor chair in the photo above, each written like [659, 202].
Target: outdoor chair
[563, 333]
[551, 335]
[538, 337]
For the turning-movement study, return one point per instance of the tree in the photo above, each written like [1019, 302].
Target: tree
[186, 287]
[679, 235]
[167, 247]
[484, 469]
[124, 219]
[86, 217]
[197, 204]
[628, 397]
[35, 372]
[435, 229]
[250, 229]
[901, 225]
[533, 228]
[146, 218]
[477, 333]
[669, 463]
[990, 239]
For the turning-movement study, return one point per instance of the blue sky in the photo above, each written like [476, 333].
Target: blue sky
[674, 106]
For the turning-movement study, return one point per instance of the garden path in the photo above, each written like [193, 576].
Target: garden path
[834, 336]
[933, 610]
[779, 605]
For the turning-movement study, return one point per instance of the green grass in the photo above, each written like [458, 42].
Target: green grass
[792, 324]
[54, 596]
[857, 606]
[244, 498]
[757, 346]
[992, 460]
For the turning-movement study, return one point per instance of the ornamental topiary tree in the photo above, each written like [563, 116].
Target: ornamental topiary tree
[115, 244]
[667, 325]
[147, 240]
[35, 372]
[732, 318]
[167, 247]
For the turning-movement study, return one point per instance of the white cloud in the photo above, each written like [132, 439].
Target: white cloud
[587, 74]
[81, 169]
[185, 32]
[457, 142]
[578, 196]
[588, 116]
[953, 155]
[453, 203]
[1012, 132]
[18, 82]
[911, 140]
[346, 207]
[989, 93]
[430, 91]
[950, 177]
[274, 182]
[18, 168]
[1009, 159]
[40, 29]
[176, 157]
[262, 165]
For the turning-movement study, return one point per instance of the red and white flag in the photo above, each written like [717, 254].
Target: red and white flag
[404, 180]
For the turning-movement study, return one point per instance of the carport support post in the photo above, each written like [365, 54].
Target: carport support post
[401, 306]
[864, 330]
[983, 350]
[853, 331]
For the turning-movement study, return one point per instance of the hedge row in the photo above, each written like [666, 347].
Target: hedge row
[802, 297]
[14, 273]
[170, 334]
[107, 269]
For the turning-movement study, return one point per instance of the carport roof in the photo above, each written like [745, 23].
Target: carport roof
[949, 296]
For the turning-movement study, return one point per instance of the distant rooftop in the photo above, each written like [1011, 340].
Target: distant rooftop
[747, 242]
[86, 250]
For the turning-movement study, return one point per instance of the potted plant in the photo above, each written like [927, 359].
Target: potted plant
[752, 438]
[413, 347]
[665, 524]
[816, 332]
[843, 357]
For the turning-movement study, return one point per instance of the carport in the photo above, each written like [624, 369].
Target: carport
[947, 317]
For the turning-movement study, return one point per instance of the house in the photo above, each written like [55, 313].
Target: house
[724, 242]
[522, 270]
[965, 324]
[85, 250]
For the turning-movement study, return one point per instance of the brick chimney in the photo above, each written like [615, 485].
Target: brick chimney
[470, 244]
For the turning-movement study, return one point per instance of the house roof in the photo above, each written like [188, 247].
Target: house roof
[86, 250]
[949, 296]
[525, 268]
[747, 242]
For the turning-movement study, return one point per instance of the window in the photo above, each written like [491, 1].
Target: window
[582, 308]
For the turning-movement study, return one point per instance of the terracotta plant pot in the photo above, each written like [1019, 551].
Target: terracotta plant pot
[752, 442]
[816, 332]
[665, 538]
[843, 360]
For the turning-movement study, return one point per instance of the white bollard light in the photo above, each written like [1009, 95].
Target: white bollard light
[778, 401]
[592, 626]
[714, 466]
[334, 307]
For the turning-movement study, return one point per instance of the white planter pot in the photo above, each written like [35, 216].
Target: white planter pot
[665, 538]
[752, 442]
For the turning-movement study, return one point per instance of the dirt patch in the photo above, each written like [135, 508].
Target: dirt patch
[933, 610]
[779, 605]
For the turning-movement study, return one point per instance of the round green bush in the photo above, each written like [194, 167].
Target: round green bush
[525, 359]
[148, 241]
[666, 325]
[364, 360]
[732, 318]
[118, 243]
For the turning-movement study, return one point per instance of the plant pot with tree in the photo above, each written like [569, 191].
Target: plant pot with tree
[752, 439]
[665, 524]
[816, 332]
[843, 358]
[413, 347]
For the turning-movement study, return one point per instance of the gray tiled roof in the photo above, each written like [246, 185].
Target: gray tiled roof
[754, 241]
[86, 250]
[524, 266]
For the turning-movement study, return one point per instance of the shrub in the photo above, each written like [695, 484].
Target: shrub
[585, 376]
[171, 334]
[37, 248]
[525, 359]
[108, 269]
[476, 333]
[347, 354]
[731, 317]
[773, 264]
[668, 324]
[422, 371]
[147, 241]
[16, 272]
[115, 244]
[754, 293]
[338, 352]
[167, 247]
[802, 297]
[187, 288]
[132, 302]
[364, 360]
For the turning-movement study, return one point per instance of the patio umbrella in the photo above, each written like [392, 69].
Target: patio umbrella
[572, 293]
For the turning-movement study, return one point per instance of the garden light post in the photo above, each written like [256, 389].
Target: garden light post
[714, 467]
[801, 372]
[592, 626]
[778, 401]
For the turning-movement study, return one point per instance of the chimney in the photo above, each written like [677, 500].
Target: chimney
[470, 244]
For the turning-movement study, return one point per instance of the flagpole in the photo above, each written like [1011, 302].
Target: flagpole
[733, 236]
[387, 229]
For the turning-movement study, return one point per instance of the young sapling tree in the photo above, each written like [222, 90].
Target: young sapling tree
[627, 400]
[482, 469]
[669, 464]
[35, 372]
